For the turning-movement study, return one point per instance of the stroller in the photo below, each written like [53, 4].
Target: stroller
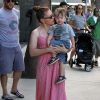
[84, 52]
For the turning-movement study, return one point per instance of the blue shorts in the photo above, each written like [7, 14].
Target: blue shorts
[62, 56]
[11, 59]
[60, 42]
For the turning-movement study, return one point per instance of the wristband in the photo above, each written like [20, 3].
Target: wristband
[48, 49]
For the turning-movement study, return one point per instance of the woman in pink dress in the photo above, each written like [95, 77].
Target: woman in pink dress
[46, 89]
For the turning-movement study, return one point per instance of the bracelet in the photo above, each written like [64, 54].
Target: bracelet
[48, 49]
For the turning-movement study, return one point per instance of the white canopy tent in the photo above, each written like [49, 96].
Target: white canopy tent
[70, 2]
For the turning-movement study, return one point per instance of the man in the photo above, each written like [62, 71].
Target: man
[65, 6]
[94, 24]
[11, 58]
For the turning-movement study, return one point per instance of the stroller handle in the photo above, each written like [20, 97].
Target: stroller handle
[83, 31]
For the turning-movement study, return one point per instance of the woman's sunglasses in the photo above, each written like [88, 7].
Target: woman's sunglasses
[9, 1]
[50, 17]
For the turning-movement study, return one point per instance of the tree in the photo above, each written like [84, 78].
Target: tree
[43, 2]
[30, 62]
[97, 3]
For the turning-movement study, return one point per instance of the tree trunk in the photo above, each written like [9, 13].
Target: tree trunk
[43, 2]
[31, 63]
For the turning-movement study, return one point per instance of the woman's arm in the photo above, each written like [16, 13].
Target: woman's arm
[87, 28]
[33, 50]
[72, 23]
[72, 35]
[73, 43]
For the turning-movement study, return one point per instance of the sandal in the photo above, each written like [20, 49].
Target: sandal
[7, 97]
[19, 95]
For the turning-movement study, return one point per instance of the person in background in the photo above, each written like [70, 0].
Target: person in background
[60, 34]
[11, 58]
[94, 24]
[46, 89]
[64, 5]
[71, 11]
[78, 23]
[89, 13]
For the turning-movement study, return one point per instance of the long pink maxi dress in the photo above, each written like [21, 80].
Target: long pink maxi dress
[46, 89]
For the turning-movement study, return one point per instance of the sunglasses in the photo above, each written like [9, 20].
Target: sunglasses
[9, 1]
[50, 17]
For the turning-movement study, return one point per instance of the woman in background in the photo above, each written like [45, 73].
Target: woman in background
[78, 23]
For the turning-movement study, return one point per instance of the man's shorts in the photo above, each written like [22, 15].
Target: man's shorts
[11, 59]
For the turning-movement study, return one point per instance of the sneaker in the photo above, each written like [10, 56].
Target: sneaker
[96, 63]
[53, 60]
[18, 94]
[60, 79]
[7, 97]
[70, 61]
[78, 65]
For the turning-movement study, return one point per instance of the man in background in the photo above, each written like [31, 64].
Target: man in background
[11, 58]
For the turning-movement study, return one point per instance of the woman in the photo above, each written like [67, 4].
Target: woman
[78, 23]
[79, 20]
[46, 89]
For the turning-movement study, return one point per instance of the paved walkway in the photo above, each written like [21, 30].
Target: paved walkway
[80, 85]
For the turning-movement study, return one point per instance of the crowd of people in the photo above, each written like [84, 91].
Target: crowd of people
[50, 41]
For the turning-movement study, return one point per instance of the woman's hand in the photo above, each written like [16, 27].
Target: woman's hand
[51, 49]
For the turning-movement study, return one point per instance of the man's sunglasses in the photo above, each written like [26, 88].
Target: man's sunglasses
[50, 17]
[9, 1]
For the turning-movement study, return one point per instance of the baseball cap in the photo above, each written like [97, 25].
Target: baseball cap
[63, 3]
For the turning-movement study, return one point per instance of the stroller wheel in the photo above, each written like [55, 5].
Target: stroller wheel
[88, 67]
[71, 63]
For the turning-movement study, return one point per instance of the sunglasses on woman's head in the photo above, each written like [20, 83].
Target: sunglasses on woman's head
[9, 1]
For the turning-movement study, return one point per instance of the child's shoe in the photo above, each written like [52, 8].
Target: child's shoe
[53, 60]
[60, 79]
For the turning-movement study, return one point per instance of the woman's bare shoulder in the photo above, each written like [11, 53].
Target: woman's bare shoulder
[35, 32]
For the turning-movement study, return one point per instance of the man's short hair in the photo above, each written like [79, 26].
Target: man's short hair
[63, 4]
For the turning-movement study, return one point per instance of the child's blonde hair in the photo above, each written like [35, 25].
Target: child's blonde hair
[59, 11]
